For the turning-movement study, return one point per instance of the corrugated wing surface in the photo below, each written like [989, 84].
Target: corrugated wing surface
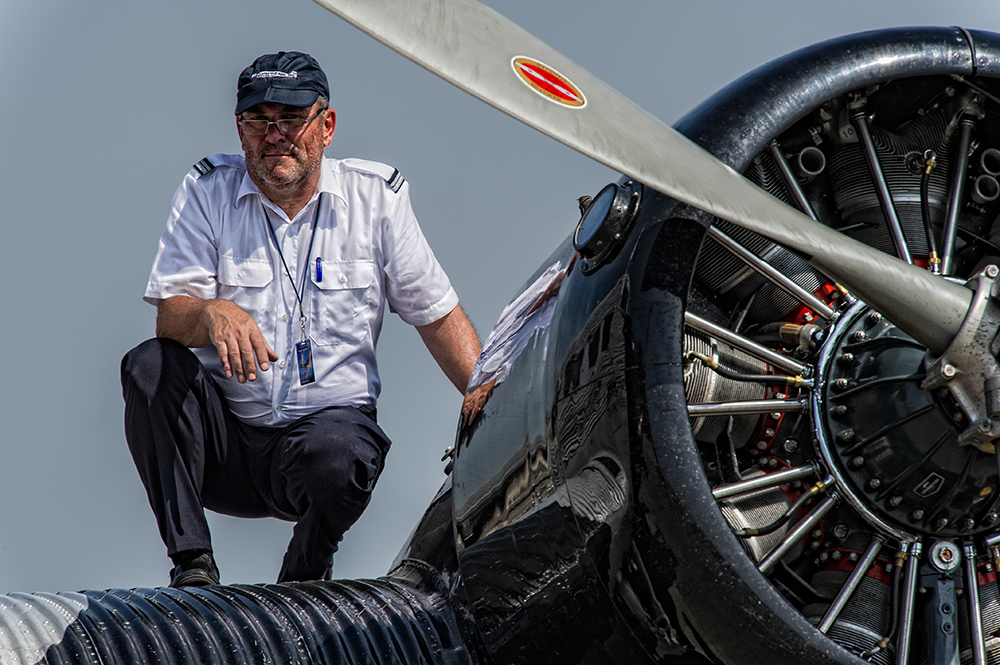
[369, 621]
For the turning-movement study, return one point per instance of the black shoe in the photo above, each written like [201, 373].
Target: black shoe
[199, 571]
[285, 578]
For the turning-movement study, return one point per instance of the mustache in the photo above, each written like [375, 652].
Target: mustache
[279, 150]
[270, 149]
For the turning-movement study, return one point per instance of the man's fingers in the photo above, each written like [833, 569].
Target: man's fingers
[232, 362]
[262, 351]
[249, 361]
[224, 358]
[236, 360]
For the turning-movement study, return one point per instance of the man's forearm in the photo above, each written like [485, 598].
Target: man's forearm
[222, 323]
[454, 344]
[180, 318]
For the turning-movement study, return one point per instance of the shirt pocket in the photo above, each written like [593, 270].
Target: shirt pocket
[344, 301]
[245, 281]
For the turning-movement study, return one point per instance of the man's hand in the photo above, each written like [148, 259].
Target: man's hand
[222, 323]
[475, 400]
[238, 340]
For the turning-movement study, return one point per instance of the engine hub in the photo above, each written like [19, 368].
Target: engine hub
[893, 446]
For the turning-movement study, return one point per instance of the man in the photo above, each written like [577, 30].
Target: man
[275, 268]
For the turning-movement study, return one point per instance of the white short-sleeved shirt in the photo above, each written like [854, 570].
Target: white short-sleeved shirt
[369, 248]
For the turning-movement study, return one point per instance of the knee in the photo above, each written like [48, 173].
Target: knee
[142, 368]
[344, 469]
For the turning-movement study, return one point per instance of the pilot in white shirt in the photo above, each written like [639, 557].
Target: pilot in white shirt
[257, 396]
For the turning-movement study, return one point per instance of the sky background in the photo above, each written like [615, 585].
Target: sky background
[105, 105]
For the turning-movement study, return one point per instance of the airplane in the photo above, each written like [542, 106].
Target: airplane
[744, 414]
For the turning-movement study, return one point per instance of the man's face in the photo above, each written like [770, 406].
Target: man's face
[283, 162]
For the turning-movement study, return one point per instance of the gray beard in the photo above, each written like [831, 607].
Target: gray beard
[261, 175]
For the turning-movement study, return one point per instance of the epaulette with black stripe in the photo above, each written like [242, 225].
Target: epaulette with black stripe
[204, 167]
[392, 178]
[395, 181]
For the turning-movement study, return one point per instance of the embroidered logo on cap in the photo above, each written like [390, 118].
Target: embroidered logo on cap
[548, 83]
[275, 75]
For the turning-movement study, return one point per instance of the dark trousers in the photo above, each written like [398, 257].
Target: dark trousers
[193, 453]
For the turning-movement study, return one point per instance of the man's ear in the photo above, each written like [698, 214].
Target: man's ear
[329, 124]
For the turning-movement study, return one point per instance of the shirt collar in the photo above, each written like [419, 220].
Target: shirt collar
[328, 182]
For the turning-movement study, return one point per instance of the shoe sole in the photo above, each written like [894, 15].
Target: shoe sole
[193, 578]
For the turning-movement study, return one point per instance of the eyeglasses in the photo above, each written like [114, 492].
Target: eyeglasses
[285, 126]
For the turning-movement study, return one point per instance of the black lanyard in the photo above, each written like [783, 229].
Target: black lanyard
[305, 273]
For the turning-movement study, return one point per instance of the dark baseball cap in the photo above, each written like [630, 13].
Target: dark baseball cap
[290, 77]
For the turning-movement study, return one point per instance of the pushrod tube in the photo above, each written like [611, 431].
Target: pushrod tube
[975, 613]
[909, 598]
[800, 530]
[764, 482]
[783, 363]
[749, 407]
[881, 186]
[858, 574]
[968, 126]
[791, 180]
[774, 276]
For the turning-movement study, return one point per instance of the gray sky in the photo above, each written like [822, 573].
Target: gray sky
[107, 104]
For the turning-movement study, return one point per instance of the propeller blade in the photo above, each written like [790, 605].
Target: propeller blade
[470, 45]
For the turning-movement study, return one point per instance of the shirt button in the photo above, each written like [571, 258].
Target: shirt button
[343, 279]
[284, 317]
[283, 364]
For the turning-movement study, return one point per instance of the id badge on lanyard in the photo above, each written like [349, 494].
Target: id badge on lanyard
[303, 349]
[304, 354]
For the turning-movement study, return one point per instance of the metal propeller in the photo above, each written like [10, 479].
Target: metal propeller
[473, 47]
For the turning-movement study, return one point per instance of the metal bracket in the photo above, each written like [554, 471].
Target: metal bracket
[968, 368]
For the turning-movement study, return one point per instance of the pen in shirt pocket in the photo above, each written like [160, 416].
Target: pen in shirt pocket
[319, 269]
